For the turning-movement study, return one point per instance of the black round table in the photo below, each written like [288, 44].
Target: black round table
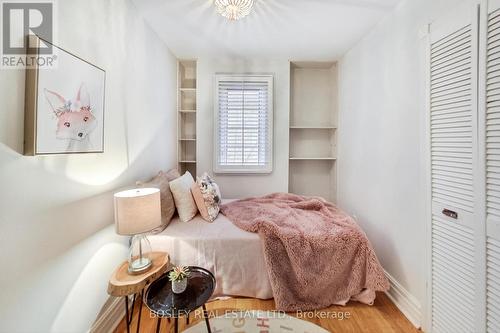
[160, 299]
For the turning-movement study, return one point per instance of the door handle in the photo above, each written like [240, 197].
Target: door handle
[450, 213]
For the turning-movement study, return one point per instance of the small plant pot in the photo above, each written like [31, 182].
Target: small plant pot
[179, 287]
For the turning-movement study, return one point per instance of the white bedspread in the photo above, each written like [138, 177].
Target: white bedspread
[233, 255]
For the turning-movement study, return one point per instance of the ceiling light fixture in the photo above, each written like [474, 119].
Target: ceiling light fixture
[234, 9]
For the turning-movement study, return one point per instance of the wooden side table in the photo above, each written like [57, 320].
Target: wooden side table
[123, 284]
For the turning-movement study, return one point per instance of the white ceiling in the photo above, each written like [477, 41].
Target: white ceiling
[276, 29]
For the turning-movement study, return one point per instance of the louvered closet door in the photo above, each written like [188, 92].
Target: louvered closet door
[453, 129]
[492, 155]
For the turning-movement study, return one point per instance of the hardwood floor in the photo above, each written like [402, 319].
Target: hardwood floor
[382, 317]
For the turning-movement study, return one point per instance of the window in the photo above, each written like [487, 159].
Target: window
[244, 124]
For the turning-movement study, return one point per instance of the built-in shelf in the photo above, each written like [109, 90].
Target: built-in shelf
[313, 130]
[313, 158]
[186, 105]
[314, 127]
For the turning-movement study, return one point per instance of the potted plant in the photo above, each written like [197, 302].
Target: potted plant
[179, 277]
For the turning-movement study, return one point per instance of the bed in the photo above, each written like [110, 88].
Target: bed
[234, 256]
[316, 254]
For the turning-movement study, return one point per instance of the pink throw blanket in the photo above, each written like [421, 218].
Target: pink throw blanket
[316, 255]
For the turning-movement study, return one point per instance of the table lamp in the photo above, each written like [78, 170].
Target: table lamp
[138, 211]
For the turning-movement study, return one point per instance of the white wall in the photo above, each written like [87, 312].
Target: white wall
[57, 243]
[381, 166]
[239, 186]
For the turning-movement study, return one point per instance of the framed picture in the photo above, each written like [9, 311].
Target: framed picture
[64, 107]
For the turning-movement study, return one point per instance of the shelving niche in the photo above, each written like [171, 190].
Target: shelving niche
[313, 129]
[186, 116]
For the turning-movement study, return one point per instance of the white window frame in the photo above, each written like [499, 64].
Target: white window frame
[241, 169]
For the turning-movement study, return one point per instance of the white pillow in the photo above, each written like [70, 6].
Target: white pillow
[184, 201]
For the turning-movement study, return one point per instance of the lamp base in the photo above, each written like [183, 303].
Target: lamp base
[139, 266]
[139, 260]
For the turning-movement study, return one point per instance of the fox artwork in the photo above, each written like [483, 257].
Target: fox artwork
[64, 106]
[75, 120]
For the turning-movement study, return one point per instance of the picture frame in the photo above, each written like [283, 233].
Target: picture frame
[64, 105]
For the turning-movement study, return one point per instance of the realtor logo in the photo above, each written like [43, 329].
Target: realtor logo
[20, 19]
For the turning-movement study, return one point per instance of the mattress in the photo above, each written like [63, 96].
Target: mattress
[233, 255]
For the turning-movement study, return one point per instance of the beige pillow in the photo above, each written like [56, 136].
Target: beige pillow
[200, 202]
[161, 181]
[172, 174]
[207, 196]
[184, 201]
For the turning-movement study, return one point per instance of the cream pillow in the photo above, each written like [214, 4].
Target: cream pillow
[161, 181]
[181, 190]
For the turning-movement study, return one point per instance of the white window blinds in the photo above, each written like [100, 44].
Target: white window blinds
[244, 114]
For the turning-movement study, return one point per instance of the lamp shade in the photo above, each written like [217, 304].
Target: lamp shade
[137, 211]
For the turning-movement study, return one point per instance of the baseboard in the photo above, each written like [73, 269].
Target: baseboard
[111, 315]
[405, 301]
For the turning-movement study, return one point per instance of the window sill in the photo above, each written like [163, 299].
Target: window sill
[242, 171]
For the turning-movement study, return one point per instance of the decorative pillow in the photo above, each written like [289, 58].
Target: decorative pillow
[181, 190]
[161, 181]
[207, 196]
